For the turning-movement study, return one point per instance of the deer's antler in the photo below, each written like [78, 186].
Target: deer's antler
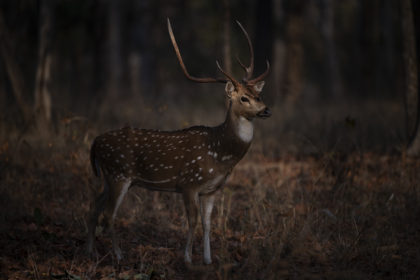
[181, 62]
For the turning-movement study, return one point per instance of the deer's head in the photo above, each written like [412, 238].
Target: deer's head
[245, 96]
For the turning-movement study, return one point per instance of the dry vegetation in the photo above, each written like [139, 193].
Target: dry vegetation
[329, 213]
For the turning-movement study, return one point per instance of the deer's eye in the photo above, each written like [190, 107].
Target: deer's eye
[244, 99]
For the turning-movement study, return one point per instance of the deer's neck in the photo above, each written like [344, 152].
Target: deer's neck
[238, 128]
[236, 133]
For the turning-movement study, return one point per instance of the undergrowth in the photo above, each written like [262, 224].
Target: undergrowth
[329, 213]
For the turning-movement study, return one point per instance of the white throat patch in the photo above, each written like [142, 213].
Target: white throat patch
[245, 129]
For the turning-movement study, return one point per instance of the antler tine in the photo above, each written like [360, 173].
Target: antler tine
[181, 62]
[233, 80]
[248, 74]
[262, 76]
[250, 69]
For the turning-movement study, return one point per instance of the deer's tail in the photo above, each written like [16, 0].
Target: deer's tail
[94, 162]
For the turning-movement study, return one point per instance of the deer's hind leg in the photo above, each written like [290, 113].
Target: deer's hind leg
[96, 209]
[117, 192]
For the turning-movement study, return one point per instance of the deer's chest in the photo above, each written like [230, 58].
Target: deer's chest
[245, 130]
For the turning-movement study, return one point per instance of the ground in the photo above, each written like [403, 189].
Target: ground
[329, 215]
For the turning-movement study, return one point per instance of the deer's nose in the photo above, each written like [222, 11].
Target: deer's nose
[264, 113]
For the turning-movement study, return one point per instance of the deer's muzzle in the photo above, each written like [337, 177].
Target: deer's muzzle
[266, 113]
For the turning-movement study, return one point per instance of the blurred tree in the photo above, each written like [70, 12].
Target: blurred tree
[226, 37]
[148, 31]
[279, 48]
[263, 34]
[294, 10]
[13, 70]
[40, 114]
[42, 101]
[114, 66]
[227, 46]
[334, 86]
[411, 64]
[97, 32]
[369, 33]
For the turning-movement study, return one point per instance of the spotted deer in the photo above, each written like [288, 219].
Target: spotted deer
[195, 161]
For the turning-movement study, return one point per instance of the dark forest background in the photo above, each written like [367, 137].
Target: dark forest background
[328, 190]
[112, 61]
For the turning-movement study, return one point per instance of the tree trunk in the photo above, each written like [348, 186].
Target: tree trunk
[412, 100]
[13, 71]
[263, 34]
[368, 29]
[294, 50]
[279, 50]
[42, 100]
[114, 59]
[334, 87]
[227, 56]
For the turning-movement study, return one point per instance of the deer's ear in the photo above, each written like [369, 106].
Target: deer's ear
[229, 88]
[259, 86]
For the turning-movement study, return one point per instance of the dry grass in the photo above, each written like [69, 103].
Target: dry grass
[328, 214]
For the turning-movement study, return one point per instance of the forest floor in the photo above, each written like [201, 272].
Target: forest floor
[330, 215]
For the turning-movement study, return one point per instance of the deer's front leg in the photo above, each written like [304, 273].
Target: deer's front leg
[206, 203]
[191, 207]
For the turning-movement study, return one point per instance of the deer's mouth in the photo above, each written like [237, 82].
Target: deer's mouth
[266, 113]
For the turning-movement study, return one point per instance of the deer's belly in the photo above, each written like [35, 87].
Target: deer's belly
[166, 185]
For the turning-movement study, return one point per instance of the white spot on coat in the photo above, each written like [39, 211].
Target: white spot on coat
[228, 157]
